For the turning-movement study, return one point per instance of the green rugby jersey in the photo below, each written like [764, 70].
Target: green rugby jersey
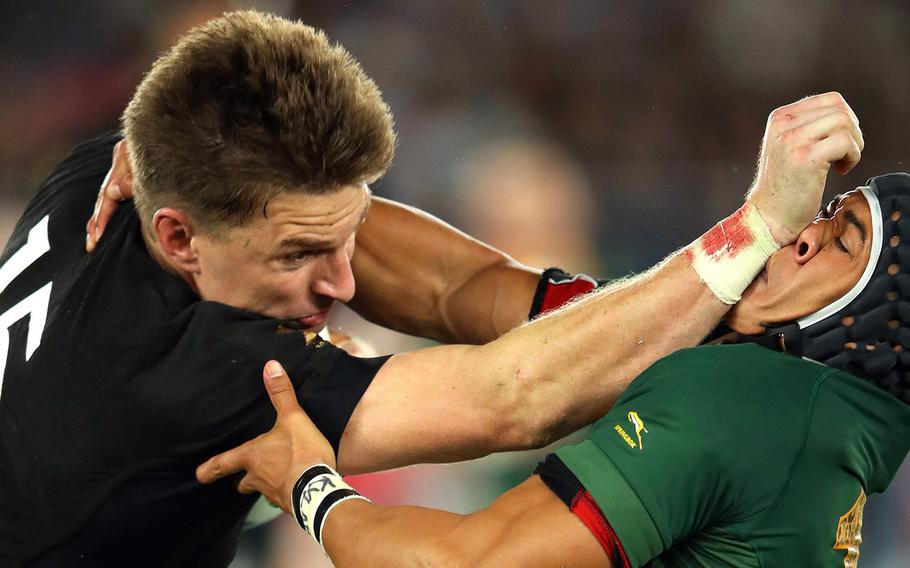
[736, 455]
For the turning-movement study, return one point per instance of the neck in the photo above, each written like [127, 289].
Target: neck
[154, 250]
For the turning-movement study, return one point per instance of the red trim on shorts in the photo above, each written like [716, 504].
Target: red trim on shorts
[584, 507]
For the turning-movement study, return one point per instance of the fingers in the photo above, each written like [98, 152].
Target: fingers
[839, 149]
[810, 103]
[246, 485]
[90, 227]
[117, 186]
[281, 390]
[803, 141]
[794, 122]
[827, 124]
[222, 465]
[112, 195]
[809, 111]
[822, 129]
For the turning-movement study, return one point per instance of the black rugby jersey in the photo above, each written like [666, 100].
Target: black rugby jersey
[116, 381]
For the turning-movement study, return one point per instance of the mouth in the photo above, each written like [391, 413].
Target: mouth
[764, 276]
[314, 321]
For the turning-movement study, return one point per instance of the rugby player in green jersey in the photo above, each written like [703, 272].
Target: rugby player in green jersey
[759, 453]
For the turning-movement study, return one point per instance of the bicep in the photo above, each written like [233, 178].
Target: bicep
[432, 405]
[422, 276]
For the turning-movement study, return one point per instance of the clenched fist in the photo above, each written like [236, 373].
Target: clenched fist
[802, 142]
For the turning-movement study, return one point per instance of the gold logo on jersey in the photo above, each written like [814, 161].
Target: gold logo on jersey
[624, 435]
[639, 424]
[639, 427]
[849, 528]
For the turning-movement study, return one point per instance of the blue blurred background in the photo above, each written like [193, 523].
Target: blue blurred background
[590, 134]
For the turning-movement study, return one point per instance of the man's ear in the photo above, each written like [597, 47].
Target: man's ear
[174, 232]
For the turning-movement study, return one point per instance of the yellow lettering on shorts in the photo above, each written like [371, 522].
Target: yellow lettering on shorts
[849, 529]
[622, 434]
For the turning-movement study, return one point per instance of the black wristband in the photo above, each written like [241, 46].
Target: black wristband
[315, 493]
[296, 494]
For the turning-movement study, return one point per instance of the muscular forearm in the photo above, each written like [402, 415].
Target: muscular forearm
[386, 536]
[532, 385]
[581, 358]
[528, 526]
[420, 276]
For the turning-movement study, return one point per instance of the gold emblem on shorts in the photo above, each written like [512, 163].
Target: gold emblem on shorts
[849, 528]
[639, 427]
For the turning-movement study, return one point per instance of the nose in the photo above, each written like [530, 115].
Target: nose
[810, 241]
[336, 278]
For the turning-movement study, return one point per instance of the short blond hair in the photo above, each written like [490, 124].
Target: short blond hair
[247, 106]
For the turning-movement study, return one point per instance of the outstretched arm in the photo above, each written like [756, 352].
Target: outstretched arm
[549, 377]
[533, 385]
[528, 526]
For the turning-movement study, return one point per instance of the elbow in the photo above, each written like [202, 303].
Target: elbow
[529, 418]
[534, 431]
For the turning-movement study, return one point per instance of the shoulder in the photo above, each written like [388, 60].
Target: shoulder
[68, 193]
[86, 161]
[720, 396]
[730, 368]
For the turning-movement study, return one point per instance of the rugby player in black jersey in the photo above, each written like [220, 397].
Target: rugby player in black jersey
[251, 144]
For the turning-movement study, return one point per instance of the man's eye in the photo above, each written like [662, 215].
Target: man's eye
[297, 257]
[840, 244]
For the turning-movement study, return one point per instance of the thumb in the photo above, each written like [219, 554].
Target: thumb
[281, 391]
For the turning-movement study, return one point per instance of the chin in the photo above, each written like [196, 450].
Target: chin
[742, 324]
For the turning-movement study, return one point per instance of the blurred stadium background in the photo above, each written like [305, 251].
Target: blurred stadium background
[595, 135]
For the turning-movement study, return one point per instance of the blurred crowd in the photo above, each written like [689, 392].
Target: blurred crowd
[591, 134]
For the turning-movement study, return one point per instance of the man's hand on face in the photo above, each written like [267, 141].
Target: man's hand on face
[117, 186]
[802, 142]
[274, 460]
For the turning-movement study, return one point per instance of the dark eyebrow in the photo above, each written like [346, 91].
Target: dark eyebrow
[299, 243]
[851, 218]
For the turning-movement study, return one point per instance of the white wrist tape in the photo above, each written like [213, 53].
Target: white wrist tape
[318, 490]
[729, 256]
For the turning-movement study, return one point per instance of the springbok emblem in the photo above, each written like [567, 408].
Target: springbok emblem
[635, 419]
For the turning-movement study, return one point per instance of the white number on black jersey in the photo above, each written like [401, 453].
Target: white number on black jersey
[35, 305]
